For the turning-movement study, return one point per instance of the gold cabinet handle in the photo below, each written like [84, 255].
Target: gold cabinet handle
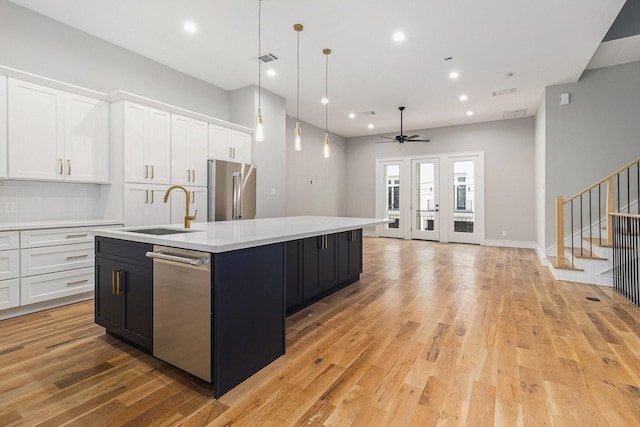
[230, 152]
[77, 282]
[77, 256]
[193, 197]
[119, 282]
[188, 175]
[151, 191]
[60, 162]
[68, 167]
[152, 171]
[146, 196]
[193, 178]
[146, 171]
[113, 282]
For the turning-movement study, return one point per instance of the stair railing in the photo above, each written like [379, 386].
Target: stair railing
[610, 194]
[626, 255]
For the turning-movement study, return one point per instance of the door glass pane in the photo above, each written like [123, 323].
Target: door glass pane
[463, 191]
[425, 199]
[392, 199]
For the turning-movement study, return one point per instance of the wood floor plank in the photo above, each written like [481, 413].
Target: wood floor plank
[432, 334]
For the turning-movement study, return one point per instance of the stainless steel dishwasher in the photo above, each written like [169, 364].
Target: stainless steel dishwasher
[182, 309]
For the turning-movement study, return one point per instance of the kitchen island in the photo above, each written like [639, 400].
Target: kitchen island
[260, 270]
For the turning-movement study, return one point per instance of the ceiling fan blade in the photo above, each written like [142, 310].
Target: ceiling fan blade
[388, 137]
[413, 136]
[385, 142]
[418, 140]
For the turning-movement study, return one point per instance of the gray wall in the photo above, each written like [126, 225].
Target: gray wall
[39, 45]
[268, 155]
[597, 133]
[328, 193]
[508, 147]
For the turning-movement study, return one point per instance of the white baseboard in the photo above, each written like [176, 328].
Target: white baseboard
[543, 257]
[509, 244]
[45, 305]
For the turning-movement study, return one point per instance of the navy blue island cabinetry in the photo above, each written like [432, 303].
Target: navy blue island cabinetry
[259, 271]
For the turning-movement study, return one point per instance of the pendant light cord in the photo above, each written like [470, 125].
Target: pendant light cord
[259, 51]
[298, 71]
[326, 93]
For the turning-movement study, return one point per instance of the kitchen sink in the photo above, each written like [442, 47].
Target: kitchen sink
[160, 231]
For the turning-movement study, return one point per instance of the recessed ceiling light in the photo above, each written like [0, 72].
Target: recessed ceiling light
[399, 36]
[370, 126]
[271, 72]
[463, 97]
[469, 113]
[190, 27]
[454, 75]
[324, 100]
[352, 116]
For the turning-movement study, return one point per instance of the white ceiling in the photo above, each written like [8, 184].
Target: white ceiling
[542, 42]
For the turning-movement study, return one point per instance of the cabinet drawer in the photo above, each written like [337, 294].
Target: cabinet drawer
[9, 293]
[55, 258]
[55, 236]
[9, 240]
[9, 264]
[55, 285]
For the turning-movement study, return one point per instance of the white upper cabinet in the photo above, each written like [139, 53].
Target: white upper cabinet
[3, 127]
[189, 151]
[147, 144]
[144, 205]
[36, 131]
[86, 143]
[231, 145]
[55, 135]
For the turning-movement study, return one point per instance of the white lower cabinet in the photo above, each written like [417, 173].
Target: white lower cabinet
[52, 259]
[44, 287]
[144, 205]
[197, 204]
[9, 293]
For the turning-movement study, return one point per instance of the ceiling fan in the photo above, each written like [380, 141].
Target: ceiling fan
[402, 138]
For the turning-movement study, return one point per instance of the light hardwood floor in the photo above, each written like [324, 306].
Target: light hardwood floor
[432, 334]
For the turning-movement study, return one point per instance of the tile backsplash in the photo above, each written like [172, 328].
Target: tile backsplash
[22, 201]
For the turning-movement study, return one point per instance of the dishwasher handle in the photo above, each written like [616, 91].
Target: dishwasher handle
[165, 256]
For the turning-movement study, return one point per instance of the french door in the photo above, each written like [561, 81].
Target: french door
[425, 206]
[436, 198]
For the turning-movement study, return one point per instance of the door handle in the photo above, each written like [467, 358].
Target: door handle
[68, 167]
[188, 175]
[146, 171]
[60, 160]
[152, 171]
[193, 197]
[119, 290]
[193, 178]
[146, 196]
[151, 191]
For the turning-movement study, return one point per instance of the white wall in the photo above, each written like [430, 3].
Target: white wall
[328, 193]
[539, 156]
[508, 147]
[593, 136]
[268, 155]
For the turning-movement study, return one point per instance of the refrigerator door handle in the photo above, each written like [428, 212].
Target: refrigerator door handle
[236, 209]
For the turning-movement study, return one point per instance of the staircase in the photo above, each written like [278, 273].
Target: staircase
[585, 231]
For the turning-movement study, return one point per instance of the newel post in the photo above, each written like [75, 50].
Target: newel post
[610, 209]
[560, 230]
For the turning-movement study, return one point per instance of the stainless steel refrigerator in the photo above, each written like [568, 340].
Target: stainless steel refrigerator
[231, 191]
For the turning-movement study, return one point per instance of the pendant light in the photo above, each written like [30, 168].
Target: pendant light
[259, 127]
[297, 145]
[325, 150]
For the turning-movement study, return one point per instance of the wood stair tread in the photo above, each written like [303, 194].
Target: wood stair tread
[584, 253]
[565, 264]
[596, 242]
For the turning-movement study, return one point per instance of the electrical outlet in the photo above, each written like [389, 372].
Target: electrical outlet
[9, 207]
[504, 233]
[312, 182]
[273, 191]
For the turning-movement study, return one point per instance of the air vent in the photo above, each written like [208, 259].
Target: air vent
[514, 114]
[504, 92]
[367, 113]
[267, 57]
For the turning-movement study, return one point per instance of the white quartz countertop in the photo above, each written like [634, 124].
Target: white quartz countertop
[34, 225]
[223, 236]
